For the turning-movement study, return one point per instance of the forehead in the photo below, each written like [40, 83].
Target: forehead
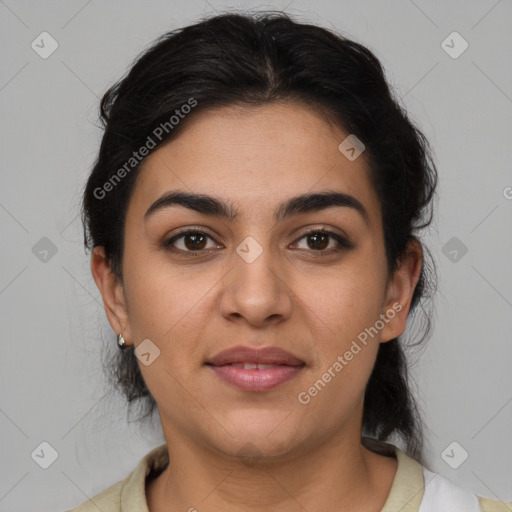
[255, 158]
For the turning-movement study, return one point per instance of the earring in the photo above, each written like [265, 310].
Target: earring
[121, 343]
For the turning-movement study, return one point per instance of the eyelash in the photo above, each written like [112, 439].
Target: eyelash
[343, 243]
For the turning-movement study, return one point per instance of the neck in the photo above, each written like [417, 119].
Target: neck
[341, 472]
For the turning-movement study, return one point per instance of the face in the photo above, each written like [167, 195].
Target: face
[310, 280]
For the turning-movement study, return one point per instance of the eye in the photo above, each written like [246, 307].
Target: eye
[192, 240]
[195, 241]
[318, 241]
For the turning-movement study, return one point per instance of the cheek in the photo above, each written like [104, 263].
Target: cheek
[162, 297]
[345, 302]
[345, 347]
[169, 307]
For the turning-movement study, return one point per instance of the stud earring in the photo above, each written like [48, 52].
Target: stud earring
[121, 343]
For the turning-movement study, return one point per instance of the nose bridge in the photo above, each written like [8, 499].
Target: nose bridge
[255, 264]
[255, 291]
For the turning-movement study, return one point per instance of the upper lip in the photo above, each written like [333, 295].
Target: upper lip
[266, 355]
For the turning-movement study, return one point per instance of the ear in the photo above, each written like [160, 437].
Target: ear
[112, 292]
[399, 291]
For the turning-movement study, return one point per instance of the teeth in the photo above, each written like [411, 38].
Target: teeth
[253, 366]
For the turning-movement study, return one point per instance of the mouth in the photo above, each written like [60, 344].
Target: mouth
[255, 369]
[253, 366]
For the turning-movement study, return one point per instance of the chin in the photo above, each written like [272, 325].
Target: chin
[262, 431]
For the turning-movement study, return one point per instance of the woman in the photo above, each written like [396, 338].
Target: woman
[253, 215]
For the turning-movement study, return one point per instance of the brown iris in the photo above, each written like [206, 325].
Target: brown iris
[319, 244]
[196, 242]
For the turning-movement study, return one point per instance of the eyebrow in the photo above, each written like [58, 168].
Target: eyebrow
[208, 205]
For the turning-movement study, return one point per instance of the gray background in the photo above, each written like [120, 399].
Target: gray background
[53, 325]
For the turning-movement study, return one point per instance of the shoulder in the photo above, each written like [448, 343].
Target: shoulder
[441, 493]
[489, 505]
[417, 489]
[108, 500]
[129, 494]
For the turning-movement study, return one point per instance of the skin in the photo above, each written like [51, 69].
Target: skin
[293, 296]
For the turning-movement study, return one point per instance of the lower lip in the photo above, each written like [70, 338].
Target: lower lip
[254, 379]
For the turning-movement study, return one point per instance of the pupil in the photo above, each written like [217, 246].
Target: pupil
[194, 238]
[316, 237]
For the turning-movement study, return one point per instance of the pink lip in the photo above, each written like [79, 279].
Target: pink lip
[287, 365]
[255, 379]
[267, 355]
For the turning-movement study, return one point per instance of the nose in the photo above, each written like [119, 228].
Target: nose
[257, 290]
